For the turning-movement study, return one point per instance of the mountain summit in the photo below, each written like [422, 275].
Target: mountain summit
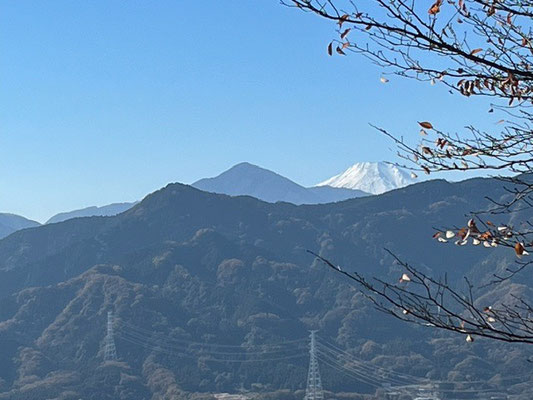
[370, 177]
[251, 180]
[10, 223]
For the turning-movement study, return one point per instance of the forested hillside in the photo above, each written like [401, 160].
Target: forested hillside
[213, 293]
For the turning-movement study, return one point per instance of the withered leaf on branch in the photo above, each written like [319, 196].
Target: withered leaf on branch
[435, 8]
[330, 49]
[475, 51]
[345, 33]
[519, 249]
[426, 125]
[463, 233]
[343, 19]
[427, 150]
[441, 142]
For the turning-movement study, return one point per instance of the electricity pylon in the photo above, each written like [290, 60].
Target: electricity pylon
[314, 383]
[110, 349]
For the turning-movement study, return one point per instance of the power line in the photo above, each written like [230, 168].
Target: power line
[380, 381]
[361, 375]
[204, 356]
[343, 353]
[162, 341]
[323, 344]
[320, 350]
[148, 332]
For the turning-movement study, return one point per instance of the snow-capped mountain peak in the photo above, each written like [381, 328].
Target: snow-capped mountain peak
[371, 177]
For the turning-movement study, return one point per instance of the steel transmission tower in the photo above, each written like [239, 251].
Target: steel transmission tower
[110, 349]
[314, 383]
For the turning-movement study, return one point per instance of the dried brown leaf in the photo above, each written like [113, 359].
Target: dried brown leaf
[345, 33]
[519, 249]
[340, 51]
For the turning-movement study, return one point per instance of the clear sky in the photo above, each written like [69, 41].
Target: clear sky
[106, 101]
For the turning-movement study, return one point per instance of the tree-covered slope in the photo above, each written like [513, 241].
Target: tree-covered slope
[213, 293]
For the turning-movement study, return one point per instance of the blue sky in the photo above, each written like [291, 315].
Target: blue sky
[106, 101]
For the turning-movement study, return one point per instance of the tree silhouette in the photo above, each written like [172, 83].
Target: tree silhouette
[475, 48]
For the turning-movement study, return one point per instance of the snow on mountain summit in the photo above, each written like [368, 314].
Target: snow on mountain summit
[371, 177]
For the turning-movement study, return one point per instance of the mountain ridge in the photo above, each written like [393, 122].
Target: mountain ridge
[248, 179]
[92, 211]
[10, 223]
[188, 265]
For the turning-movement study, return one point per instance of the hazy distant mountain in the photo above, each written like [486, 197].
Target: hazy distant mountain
[199, 281]
[10, 223]
[104, 211]
[251, 180]
[370, 177]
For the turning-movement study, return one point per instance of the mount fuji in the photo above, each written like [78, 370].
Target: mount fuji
[370, 177]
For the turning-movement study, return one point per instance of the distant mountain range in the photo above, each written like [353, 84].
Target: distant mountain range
[251, 180]
[10, 223]
[109, 210]
[371, 177]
